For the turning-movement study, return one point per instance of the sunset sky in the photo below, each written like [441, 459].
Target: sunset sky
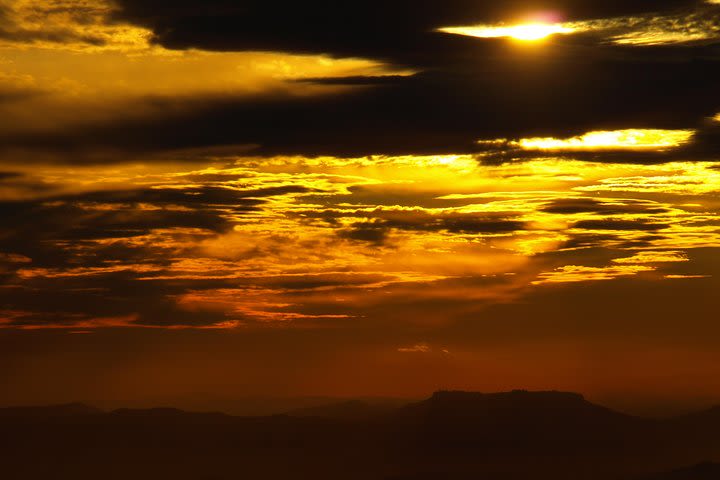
[228, 198]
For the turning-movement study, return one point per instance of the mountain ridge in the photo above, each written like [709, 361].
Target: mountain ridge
[328, 409]
[450, 435]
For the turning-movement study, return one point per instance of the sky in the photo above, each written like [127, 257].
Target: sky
[218, 198]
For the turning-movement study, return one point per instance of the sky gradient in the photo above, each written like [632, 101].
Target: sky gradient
[228, 198]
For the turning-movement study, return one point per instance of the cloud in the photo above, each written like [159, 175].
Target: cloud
[417, 348]
[470, 89]
[686, 277]
[333, 243]
[350, 124]
[579, 273]
[590, 205]
[4, 176]
[653, 257]
[340, 180]
[400, 29]
[698, 23]
[376, 231]
[76, 24]
[620, 146]
[117, 230]
[621, 225]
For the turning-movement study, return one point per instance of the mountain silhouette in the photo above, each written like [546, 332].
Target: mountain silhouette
[518, 420]
[347, 410]
[505, 409]
[63, 410]
[451, 435]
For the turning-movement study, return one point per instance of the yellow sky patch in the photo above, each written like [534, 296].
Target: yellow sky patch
[524, 32]
[629, 139]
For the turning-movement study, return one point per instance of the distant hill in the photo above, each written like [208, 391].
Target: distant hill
[450, 436]
[515, 406]
[162, 412]
[65, 410]
[519, 420]
[347, 410]
[698, 419]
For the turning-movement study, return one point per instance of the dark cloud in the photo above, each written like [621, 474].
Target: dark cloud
[434, 112]
[85, 258]
[311, 282]
[357, 80]
[611, 224]
[587, 240]
[115, 295]
[590, 205]
[366, 232]
[399, 30]
[55, 22]
[704, 146]
[466, 89]
[39, 229]
[194, 197]
[9, 176]
[377, 229]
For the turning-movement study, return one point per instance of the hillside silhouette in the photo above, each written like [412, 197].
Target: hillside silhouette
[451, 435]
[517, 420]
[347, 410]
[51, 411]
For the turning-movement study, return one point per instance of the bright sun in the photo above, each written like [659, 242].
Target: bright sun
[526, 32]
[535, 31]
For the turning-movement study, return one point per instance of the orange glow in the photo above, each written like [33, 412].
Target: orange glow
[631, 139]
[525, 32]
[449, 217]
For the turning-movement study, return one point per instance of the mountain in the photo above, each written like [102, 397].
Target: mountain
[509, 407]
[519, 420]
[697, 420]
[347, 410]
[51, 411]
[164, 412]
[450, 436]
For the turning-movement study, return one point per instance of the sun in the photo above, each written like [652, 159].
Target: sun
[529, 32]
[535, 31]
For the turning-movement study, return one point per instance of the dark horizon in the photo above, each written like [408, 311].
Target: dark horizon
[264, 405]
[508, 435]
[267, 405]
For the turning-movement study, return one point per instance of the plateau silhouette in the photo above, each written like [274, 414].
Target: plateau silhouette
[451, 435]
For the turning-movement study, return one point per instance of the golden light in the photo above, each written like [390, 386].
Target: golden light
[526, 32]
[631, 139]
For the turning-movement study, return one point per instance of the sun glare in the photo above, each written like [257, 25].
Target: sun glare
[527, 32]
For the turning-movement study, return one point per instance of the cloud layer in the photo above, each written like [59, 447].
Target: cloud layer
[333, 197]
[347, 81]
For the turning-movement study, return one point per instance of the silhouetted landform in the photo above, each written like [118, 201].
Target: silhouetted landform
[51, 411]
[452, 435]
[254, 406]
[519, 419]
[347, 410]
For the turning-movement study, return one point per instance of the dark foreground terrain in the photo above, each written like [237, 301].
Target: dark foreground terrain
[452, 435]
